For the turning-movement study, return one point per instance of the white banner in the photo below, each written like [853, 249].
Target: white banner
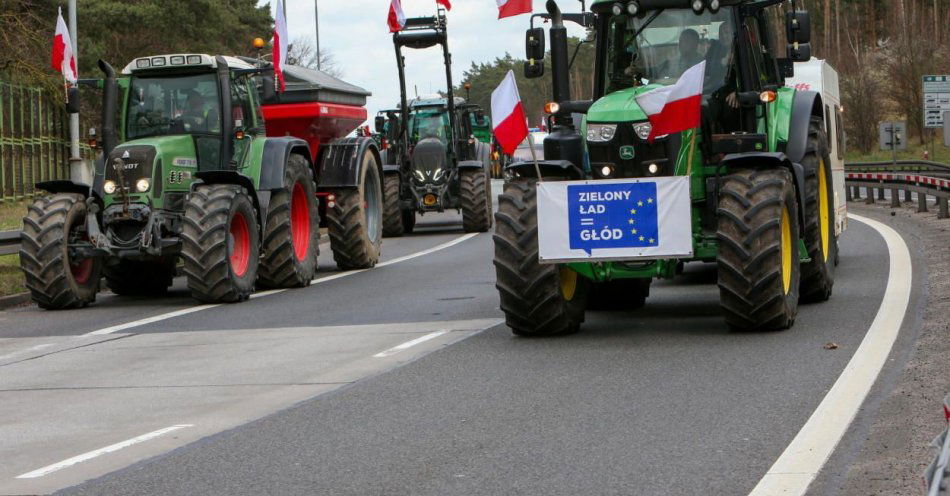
[619, 219]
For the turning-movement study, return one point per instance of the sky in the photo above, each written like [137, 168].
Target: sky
[355, 32]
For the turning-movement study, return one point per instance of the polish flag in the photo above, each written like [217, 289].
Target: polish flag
[281, 39]
[508, 8]
[676, 108]
[445, 3]
[63, 59]
[508, 118]
[397, 18]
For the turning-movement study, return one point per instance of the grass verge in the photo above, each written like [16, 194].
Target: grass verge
[11, 215]
[11, 278]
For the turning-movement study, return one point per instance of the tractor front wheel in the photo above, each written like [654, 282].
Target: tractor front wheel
[220, 243]
[537, 299]
[476, 200]
[56, 277]
[292, 230]
[818, 275]
[393, 215]
[758, 256]
[355, 222]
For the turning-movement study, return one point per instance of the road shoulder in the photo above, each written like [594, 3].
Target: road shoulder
[886, 449]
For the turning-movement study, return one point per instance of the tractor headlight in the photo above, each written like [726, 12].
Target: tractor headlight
[438, 174]
[600, 133]
[142, 185]
[643, 130]
[617, 9]
[108, 187]
[633, 8]
[697, 6]
[419, 175]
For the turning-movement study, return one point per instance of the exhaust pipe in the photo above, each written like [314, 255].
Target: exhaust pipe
[110, 91]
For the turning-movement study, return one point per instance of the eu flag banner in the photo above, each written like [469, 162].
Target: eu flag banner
[622, 219]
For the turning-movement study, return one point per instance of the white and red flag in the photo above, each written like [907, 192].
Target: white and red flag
[63, 59]
[508, 118]
[445, 3]
[508, 8]
[397, 18]
[676, 108]
[281, 39]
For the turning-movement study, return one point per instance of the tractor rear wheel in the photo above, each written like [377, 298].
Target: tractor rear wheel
[355, 223]
[818, 275]
[476, 200]
[537, 299]
[758, 254]
[55, 279]
[140, 278]
[393, 215]
[220, 244]
[292, 230]
[618, 294]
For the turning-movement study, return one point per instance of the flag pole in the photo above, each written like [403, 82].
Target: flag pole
[534, 156]
[77, 171]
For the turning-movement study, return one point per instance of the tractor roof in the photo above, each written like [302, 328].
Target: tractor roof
[179, 62]
[652, 4]
[434, 102]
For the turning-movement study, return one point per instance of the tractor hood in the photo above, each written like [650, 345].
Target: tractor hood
[429, 161]
[152, 158]
[620, 106]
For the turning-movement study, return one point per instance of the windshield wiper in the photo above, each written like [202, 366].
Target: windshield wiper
[650, 20]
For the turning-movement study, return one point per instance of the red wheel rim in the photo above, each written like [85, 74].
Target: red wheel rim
[300, 222]
[240, 244]
[81, 270]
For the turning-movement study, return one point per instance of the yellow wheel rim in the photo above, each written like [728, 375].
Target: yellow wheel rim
[568, 283]
[787, 251]
[823, 210]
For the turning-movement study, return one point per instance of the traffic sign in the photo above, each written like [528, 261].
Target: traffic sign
[936, 100]
[893, 135]
[622, 219]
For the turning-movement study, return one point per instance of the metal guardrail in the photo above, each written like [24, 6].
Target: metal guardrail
[9, 242]
[937, 475]
[910, 176]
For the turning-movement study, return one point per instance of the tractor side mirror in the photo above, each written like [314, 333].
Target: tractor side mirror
[72, 100]
[800, 52]
[268, 93]
[798, 27]
[534, 50]
[380, 123]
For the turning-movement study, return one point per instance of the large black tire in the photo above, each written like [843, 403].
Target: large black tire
[476, 200]
[619, 294]
[758, 255]
[220, 243]
[54, 280]
[292, 230]
[393, 225]
[355, 222]
[537, 299]
[818, 275]
[140, 278]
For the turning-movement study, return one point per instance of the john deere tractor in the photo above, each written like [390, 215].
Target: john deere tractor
[189, 173]
[434, 161]
[760, 199]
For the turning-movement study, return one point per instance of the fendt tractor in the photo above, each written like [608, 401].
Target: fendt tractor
[761, 200]
[191, 172]
[434, 161]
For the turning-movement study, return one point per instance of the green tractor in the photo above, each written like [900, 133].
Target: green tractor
[760, 194]
[434, 162]
[191, 173]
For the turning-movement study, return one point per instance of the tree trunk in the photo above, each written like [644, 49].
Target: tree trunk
[826, 42]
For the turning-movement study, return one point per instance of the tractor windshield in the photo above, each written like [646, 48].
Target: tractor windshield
[429, 124]
[173, 105]
[668, 43]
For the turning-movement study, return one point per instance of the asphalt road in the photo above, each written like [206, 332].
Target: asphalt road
[401, 380]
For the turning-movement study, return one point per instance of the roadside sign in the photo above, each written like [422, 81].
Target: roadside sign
[936, 100]
[893, 135]
[946, 128]
[622, 219]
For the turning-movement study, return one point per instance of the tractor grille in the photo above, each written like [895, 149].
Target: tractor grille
[661, 152]
[137, 163]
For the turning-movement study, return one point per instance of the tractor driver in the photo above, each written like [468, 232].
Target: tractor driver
[196, 117]
[720, 78]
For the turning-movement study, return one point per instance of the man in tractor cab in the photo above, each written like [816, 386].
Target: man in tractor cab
[721, 83]
[196, 117]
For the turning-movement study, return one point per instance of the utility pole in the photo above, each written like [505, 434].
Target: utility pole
[76, 170]
[316, 22]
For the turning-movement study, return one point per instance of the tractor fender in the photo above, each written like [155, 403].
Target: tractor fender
[549, 168]
[340, 161]
[755, 160]
[274, 159]
[67, 186]
[471, 164]
[805, 105]
[260, 198]
[390, 169]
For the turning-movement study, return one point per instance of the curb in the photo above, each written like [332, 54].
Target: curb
[11, 301]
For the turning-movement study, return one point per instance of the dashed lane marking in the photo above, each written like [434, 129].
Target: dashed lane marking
[409, 344]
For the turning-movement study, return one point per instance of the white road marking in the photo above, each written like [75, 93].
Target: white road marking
[804, 457]
[409, 344]
[185, 311]
[101, 451]
[31, 348]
